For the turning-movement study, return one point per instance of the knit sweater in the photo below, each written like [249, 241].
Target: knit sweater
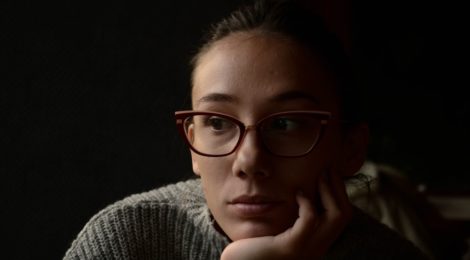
[173, 222]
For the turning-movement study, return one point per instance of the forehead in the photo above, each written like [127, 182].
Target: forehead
[254, 67]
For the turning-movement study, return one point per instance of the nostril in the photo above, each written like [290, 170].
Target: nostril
[242, 175]
[254, 174]
[262, 173]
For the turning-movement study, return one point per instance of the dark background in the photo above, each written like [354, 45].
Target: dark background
[88, 94]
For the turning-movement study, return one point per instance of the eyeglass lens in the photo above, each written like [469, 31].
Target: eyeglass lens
[285, 135]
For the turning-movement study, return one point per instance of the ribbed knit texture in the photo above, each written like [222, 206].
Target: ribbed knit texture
[173, 222]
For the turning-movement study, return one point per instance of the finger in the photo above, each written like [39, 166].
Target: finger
[340, 195]
[338, 209]
[331, 223]
[327, 198]
[306, 210]
[305, 223]
[339, 191]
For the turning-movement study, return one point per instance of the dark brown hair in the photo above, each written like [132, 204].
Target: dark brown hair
[291, 19]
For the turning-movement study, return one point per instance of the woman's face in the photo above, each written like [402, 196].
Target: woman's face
[251, 75]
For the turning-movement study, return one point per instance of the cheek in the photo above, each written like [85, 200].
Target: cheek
[214, 172]
[213, 167]
[303, 173]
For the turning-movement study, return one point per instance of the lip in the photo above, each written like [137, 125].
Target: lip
[247, 206]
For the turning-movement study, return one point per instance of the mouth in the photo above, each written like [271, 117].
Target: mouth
[246, 206]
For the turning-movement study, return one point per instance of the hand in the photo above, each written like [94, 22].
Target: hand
[312, 233]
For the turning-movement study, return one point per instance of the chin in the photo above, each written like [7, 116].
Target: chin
[250, 229]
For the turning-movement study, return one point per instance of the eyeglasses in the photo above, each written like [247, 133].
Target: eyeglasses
[285, 134]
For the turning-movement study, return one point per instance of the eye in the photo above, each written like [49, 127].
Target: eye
[218, 123]
[283, 124]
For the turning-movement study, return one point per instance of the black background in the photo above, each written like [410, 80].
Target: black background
[88, 94]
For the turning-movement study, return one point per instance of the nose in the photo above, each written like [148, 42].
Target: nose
[250, 158]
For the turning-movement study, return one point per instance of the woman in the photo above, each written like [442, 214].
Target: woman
[274, 130]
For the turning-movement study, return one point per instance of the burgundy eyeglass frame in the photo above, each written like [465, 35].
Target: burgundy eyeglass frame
[181, 115]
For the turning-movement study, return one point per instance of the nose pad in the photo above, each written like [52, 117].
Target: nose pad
[250, 159]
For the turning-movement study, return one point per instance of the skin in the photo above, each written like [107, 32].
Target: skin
[250, 75]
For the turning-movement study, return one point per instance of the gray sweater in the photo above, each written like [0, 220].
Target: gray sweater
[173, 222]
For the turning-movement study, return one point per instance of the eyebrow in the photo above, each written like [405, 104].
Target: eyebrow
[218, 97]
[294, 95]
[286, 96]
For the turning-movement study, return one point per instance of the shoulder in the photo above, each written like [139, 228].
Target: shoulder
[182, 194]
[366, 238]
[184, 197]
[140, 222]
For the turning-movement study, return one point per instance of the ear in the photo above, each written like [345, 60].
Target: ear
[354, 149]
[195, 164]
